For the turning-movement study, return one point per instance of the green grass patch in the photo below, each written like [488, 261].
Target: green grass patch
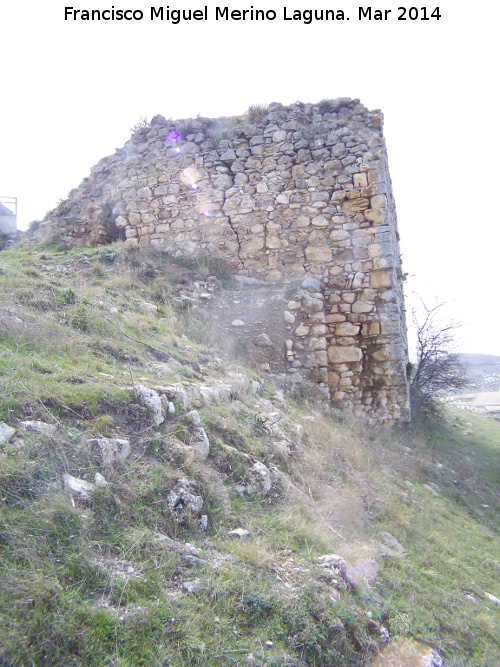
[122, 578]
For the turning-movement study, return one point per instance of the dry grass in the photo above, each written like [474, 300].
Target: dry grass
[123, 282]
[254, 552]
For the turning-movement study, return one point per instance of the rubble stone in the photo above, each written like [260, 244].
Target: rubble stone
[6, 433]
[150, 400]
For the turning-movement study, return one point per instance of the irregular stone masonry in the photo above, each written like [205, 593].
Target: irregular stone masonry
[298, 196]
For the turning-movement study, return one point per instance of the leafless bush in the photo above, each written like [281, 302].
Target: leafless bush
[438, 371]
[142, 124]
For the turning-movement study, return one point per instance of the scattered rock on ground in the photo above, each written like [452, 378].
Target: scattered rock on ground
[115, 568]
[492, 598]
[257, 481]
[192, 585]
[150, 400]
[99, 481]
[113, 449]
[38, 427]
[408, 653]
[12, 322]
[190, 561]
[214, 394]
[300, 431]
[6, 433]
[263, 340]
[148, 308]
[175, 394]
[282, 449]
[335, 569]
[77, 487]
[393, 543]
[200, 443]
[279, 400]
[242, 533]
[165, 539]
[194, 417]
[182, 498]
[253, 387]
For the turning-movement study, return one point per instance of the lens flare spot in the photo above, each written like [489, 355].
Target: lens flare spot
[177, 150]
[172, 137]
[190, 176]
[194, 186]
[206, 212]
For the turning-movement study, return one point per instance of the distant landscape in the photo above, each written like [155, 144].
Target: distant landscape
[483, 394]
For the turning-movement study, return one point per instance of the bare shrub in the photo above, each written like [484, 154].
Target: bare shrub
[141, 124]
[438, 370]
[217, 132]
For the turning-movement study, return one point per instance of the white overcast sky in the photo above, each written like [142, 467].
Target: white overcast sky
[70, 91]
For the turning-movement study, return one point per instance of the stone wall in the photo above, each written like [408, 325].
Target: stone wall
[299, 196]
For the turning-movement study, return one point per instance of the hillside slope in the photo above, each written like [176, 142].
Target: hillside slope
[163, 504]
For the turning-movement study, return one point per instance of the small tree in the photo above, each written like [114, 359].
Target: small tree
[438, 370]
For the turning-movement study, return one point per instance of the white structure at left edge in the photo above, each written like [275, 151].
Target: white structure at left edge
[8, 215]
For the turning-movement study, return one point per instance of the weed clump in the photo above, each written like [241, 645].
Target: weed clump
[257, 112]
[327, 106]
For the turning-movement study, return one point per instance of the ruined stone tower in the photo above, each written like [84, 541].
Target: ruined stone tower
[296, 196]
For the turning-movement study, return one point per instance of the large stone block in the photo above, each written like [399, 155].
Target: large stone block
[320, 221]
[339, 235]
[223, 182]
[312, 304]
[273, 242]
[321, 358]
[355, 205]
[335, 317]
[254, 245]
[134, 218]
[344, 354]
[374, 215]
[347, 329]
[279, 135]
[378, 201]
[362, 307]
[360, 180]
[380, 279]
[318, 254]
